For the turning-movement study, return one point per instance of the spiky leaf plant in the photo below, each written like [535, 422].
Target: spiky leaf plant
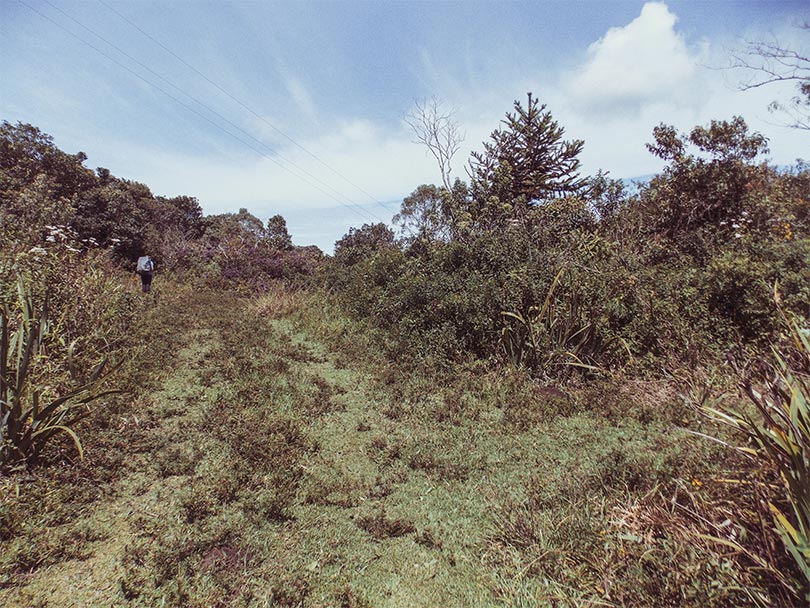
[554, 338]
[32, 412]
[781, 437]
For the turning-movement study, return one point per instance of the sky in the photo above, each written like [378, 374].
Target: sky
[299, 108]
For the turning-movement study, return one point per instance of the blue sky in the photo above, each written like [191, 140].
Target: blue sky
[335, 79]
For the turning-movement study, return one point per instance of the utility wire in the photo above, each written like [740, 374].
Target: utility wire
[220, 116]
[241, 103]
[196, 112]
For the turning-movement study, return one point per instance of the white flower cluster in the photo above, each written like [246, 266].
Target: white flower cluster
[59, 234]
[67, 236]
[739, 225]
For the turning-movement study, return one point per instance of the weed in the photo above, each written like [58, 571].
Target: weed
[456, 408]
[319, 398]
[440, 468]
[782, 439]
[177, 460]
[341, 493]
[380, 526]
[428, 538]
[349, 598]
[290, 592]
[381, 488]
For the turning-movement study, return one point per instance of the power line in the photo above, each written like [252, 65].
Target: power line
[240, 102]
[220, 116]
[207, 119]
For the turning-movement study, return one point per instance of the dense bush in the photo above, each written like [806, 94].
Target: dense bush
[529, 260]
[67, 233]
[43, 190]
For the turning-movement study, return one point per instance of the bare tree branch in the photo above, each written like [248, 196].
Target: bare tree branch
[769, 62]
[438, 131]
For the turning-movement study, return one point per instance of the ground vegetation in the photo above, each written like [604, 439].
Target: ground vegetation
[549, 389]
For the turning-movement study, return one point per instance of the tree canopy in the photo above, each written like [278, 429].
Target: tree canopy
[527, 161]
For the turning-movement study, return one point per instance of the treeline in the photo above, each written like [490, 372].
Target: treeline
[527, 260]
[47, 195]
[532, 262]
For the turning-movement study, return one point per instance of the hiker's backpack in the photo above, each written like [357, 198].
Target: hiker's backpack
[145, 264]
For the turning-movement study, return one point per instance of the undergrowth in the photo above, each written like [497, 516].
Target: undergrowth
[268, 453]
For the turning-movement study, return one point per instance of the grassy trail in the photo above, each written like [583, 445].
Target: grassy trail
[262, 472]
[260, 466]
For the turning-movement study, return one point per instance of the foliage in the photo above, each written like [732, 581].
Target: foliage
[253, 429]
[276, 233]
[524, 163]
[237, 251]
[677, 270]
[360, 243]
[32, 410]
[29, 158]
[43, 190]
[42, 186]
[556, 335]
[423, 214]
[703, 193]
[782, 438]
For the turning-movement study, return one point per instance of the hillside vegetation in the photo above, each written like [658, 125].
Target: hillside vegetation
[549, 390]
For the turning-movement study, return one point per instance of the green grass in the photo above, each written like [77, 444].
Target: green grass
[271, 456]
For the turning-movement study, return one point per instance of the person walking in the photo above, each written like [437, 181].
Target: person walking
[145, 268]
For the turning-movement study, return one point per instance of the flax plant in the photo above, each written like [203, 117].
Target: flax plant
[31, 411]
[553, 336]
[782, 438]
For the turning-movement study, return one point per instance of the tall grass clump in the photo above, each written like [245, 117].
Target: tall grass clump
[556, 337]
[779, 438]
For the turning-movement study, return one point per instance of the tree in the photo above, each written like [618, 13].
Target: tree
[27, 156]
[606, 196]
[422, 214]
[361, 243]
[277, 235]
[525, 162]
[709, 175]
[242, 226]
[116, 215]
[180, 212]
[771, 61]
[437, 130]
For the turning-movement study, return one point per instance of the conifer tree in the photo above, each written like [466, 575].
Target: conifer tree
[525, 162]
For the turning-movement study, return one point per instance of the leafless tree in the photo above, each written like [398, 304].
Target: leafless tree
[437, 129]
[771, 61]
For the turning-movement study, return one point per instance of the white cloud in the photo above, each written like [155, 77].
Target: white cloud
[644, 62]
[630, 80]
[315, 195]
[640, 75]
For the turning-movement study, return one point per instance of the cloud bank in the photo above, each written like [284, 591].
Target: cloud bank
[645, 62]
